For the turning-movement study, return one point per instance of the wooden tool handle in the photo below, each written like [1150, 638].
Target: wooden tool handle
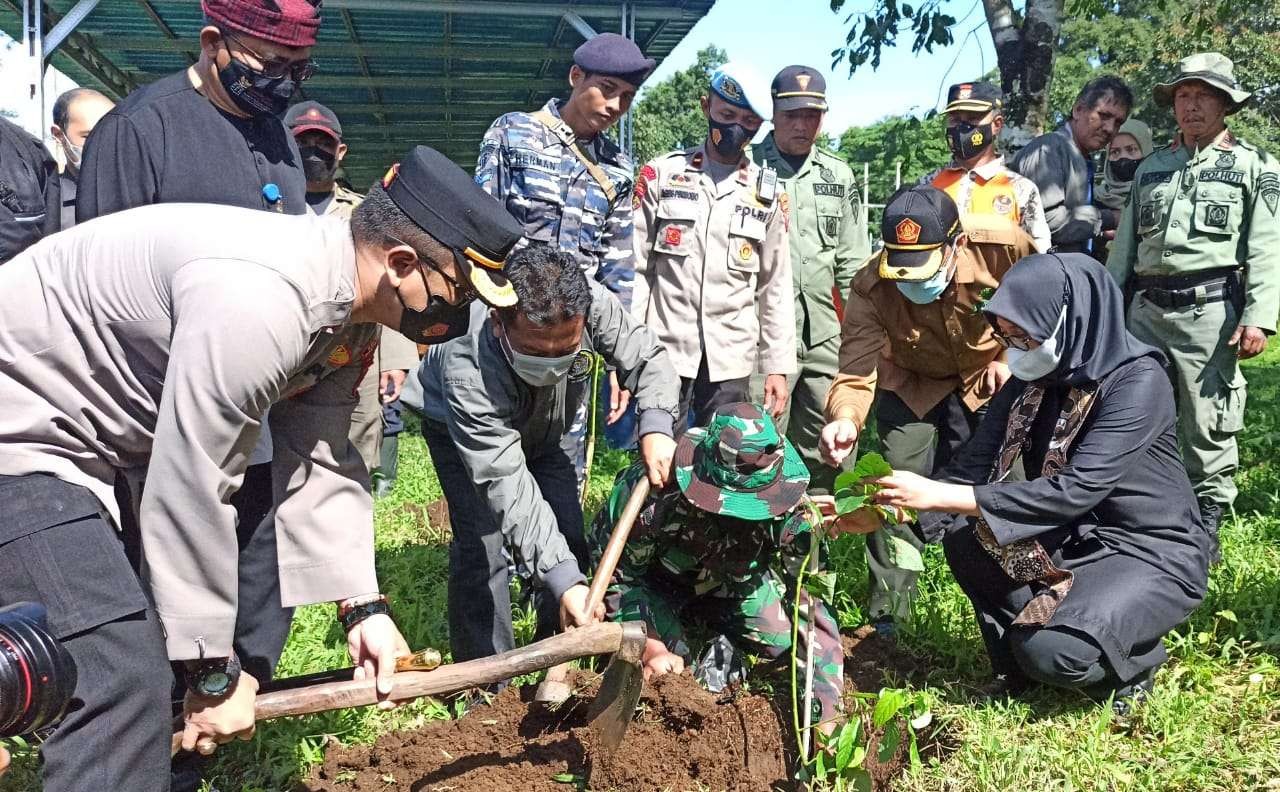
[617, 540]
[601, 638]
[553, 687]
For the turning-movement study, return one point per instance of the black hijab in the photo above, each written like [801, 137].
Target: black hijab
[1095, 341]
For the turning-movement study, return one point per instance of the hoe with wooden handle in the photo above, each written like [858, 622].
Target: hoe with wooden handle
[554, 690]
[610, 718]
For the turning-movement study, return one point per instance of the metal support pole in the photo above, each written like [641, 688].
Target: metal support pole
[68, 23]
[626, 129]
[33, 48]
[579, 24]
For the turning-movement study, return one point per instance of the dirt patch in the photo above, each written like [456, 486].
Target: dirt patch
[682, 738]
[869, 659]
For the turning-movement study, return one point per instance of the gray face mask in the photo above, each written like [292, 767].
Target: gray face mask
[74, 153]
[1039, 362]
[536, 371]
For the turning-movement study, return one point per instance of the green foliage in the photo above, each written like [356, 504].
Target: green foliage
[871, 32]
[668, 115]
[876, 722]
[919, 144]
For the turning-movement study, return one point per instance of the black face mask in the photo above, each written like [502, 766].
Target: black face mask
[1123, 169]
[319, 165]
[728, 139]
[437, 323]
[255, 93]
[967, 141]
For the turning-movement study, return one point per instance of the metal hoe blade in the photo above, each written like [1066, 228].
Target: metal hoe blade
[615, 705]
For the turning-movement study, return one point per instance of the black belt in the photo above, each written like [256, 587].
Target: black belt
[1182, 298]
[1189, 281]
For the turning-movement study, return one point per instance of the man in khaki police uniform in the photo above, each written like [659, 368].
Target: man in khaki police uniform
[913, 340]
[141, 351]
[1199, 247]
[713, 264]
[375, 424]
[828, 244]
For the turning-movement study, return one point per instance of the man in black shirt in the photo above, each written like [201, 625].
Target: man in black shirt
[213, 134]
[29, 193]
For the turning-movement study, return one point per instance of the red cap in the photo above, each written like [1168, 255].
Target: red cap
[291, 23]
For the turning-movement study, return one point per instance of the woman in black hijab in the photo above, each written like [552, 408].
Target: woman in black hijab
[1078, 573]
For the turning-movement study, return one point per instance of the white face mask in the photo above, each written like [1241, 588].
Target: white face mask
[1043, 360]
[74, 153]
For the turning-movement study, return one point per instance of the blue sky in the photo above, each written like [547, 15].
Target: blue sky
[759, 31]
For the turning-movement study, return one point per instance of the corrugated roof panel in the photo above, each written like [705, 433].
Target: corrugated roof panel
[439, 70]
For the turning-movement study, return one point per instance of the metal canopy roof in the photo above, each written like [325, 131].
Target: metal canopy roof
[397, 72]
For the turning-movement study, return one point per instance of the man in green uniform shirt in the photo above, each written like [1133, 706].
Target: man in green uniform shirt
[1198, 246]
[828, 243]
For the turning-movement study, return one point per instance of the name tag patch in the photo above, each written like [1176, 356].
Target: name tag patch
[1224, 176]
[833, 190]
[683, 195]
[526, 158]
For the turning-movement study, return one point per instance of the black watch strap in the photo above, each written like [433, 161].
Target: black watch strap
[350, 617]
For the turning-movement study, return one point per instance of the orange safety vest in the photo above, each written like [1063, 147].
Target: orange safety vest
[974, 196]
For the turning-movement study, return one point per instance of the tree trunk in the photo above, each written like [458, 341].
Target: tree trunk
[1025, 49]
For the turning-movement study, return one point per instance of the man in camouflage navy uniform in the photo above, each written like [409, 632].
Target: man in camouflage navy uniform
[569, 185]
[828, 244]
[1197, 246]
[376, 423]
[723, 544]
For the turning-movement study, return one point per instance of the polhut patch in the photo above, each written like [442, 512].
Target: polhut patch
[833, 190]
[1269, 190]
[1224, 176]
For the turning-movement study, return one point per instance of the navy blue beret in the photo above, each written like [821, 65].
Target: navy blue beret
[614, 55]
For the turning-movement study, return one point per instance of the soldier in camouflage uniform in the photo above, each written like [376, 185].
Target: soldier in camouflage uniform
[724, 544]
[1197, 247]
[568, 184]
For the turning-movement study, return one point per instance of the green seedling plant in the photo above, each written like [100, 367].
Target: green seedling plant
[854, 490]
[840, 762]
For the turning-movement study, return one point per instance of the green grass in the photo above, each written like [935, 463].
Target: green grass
[1212, 724]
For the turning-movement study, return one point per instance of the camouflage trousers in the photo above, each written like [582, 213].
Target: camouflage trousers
[753, 612]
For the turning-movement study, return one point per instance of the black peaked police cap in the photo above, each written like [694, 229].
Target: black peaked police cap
[918, 221]
[445, 202]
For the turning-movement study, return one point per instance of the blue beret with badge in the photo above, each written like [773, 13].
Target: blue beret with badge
[740, 86]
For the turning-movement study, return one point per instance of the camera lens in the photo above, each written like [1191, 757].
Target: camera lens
[37, 675]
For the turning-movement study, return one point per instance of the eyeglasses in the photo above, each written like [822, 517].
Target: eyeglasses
[276, 68]
[1021, 342]
[460, 288]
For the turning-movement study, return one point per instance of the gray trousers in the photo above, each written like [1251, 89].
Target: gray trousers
[923, 446]
[1207, 384]
[479, 572]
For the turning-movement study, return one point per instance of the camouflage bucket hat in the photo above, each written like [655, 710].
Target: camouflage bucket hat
[739, 466]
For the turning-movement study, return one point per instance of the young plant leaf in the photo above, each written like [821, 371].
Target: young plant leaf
[821, 585]
[889, 741]
[903, 555]
[871, 466]
[890, 703]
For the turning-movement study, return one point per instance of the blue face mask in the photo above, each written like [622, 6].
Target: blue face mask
[925, 292]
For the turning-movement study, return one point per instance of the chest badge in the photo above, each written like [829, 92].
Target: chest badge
[828, 175]
[673, 235]
[1225, 160]
[1003, 204]
[340, 356]
[745, 251]
[1215, 215]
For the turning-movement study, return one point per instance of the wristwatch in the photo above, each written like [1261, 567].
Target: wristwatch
[351, 614]
[214, 678]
